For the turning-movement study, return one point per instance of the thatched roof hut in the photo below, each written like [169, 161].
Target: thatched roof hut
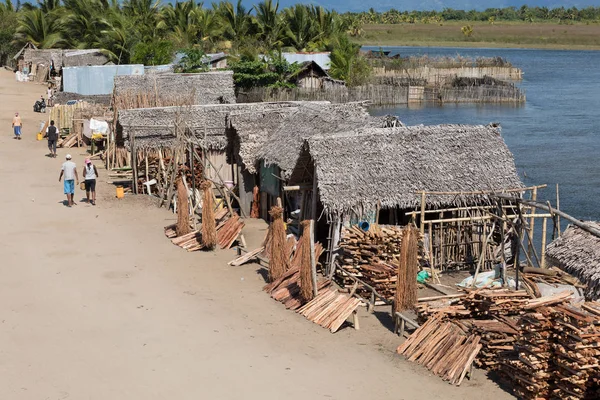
[205, 125]
[44, 56]
[578, 253]
[283, 145]
[356, 170]
[203, 88]
[65, 58]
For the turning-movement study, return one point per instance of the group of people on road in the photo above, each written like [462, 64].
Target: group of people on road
[68, 171]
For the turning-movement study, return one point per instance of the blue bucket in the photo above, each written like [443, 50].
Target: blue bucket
[364, 225]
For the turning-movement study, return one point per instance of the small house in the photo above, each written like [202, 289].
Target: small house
[312, 76]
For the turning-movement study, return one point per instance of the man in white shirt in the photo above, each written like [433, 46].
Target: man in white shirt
[69, 171]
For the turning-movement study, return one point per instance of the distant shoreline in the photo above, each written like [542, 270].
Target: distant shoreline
[542, 36]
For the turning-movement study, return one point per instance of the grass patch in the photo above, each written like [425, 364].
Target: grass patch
[505, 34]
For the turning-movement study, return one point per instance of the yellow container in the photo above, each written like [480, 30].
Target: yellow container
[40, 136]
[120, 192]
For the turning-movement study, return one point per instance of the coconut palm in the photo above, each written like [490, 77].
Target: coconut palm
[270, 26]
[235, 21]
[300, 29]
[144, 14]
[40, 28]
[86, 21]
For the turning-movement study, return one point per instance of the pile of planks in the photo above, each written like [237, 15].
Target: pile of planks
[371, 257]
[330, 309]
[497, 338]
[228, 231]
[444, 348]
[71, 140]
[576, 351]
[482, 303]
[529, 370]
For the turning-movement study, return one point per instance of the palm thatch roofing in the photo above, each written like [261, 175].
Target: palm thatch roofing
[44, 56]
[288, 131]
[578, 253]
[204, 125]
[356, 170]
[65, 58]
[204, 88]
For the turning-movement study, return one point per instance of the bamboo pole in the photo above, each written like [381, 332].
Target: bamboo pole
[313, 260]
[544, 228]
[422, 221]
[532, 221]
[558, 208]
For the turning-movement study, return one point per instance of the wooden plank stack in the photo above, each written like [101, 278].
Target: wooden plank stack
[228, 231]
[330, 309]
[371, 257]
[529, 371]
[443, 348]
[490, 302]
[497, 339]
[576, 352]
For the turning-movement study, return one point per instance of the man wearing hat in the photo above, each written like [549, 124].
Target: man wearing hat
[90, 173]
[17, 124]
[69, 171]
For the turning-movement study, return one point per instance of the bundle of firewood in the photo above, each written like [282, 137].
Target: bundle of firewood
[371, 257]
[442, 347]
[576, 352]
[228, 231]
[482, 303]
[529, 371]
[330, 309]
[497, 338]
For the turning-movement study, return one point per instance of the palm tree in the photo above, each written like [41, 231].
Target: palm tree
[271, 30]
[86, 21]
[300, 30]
[236, 21]
[40, 28]
[188, 24]
[144, 14]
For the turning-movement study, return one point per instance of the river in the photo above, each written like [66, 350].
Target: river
[554, 136]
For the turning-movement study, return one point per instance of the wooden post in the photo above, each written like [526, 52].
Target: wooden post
[133, 165]
[532, 222]
[146, 162]
[558, 208]
[315, 189]
[422, 213]
[313, 261]
[502, 239]
[544, 228]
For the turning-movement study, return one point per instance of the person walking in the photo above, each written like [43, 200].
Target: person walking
[17, 125]
[90, 174]
[52, 135]
[69, 171]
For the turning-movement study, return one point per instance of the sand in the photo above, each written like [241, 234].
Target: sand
[95, 303]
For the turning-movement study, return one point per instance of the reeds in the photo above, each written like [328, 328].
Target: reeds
[254, 212]
[209, 228]
[278, 264]
[183, 209]
[306, 282]
[408, 268]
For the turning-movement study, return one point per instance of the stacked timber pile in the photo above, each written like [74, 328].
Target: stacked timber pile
[330, 309]
[529, 370]
[444, 348]
[371, 257]
[498, 336]
[228, 231]
[482, 303]
[577, 352]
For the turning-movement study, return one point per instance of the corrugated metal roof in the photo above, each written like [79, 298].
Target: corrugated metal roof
[97, 79]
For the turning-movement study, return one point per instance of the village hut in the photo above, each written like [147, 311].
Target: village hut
[389, 168]
[267, 144]
[577, 252]
[83, 58]
[177, 89]
[311, 76]
[19, 58]
[59, 58]
[380, 175]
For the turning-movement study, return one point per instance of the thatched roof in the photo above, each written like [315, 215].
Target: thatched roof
[355, 170]
[44, 56]
[80, 58]
[65, 58]
[578, 253]
[283, 146]
[205, 125]
[205, 88]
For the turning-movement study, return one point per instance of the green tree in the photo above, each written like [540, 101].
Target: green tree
[159, 52]
[348, 65]
[42, 29]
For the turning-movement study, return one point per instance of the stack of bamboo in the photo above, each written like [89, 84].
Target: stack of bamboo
[529, 371]
[371, 257]
[577, 352]
[330, 309]
[443, 348]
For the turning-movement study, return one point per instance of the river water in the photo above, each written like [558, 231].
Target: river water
[554, 136]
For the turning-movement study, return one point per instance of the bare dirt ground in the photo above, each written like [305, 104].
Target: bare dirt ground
[95, 303]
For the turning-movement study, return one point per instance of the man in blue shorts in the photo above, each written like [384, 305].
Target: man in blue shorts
[69, 171]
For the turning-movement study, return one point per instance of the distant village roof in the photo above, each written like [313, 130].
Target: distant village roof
[203, 88]
[356, 170]
[577, 252]
[65, 57]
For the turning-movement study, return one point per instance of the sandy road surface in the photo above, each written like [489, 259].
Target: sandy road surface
[96, 304]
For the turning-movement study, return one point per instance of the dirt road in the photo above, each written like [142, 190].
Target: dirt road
[96, 304]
